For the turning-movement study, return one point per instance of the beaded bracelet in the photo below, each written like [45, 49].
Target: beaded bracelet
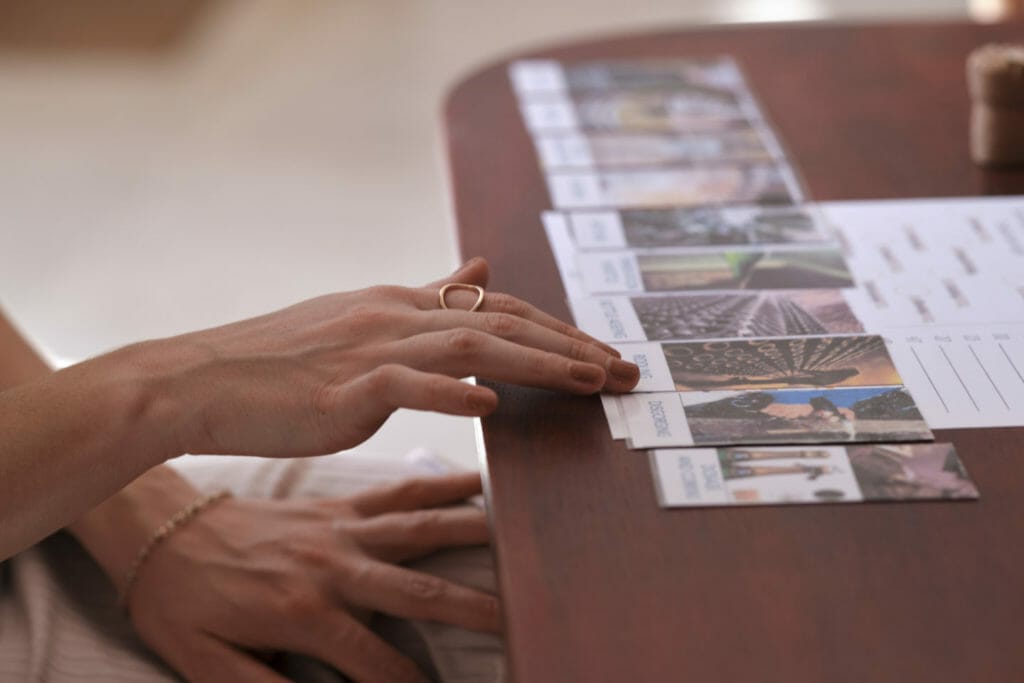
[177, 520]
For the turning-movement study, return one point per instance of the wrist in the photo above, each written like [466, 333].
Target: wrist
[74, 437]
[115, 530]
[165, 402]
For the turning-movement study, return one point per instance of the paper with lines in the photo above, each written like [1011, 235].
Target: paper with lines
[940, 280]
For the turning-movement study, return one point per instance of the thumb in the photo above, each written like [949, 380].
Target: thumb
[473, 272]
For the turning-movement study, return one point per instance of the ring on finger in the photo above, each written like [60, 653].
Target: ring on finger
[459, 285]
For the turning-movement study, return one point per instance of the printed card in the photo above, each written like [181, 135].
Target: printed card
[613, 412]
[773, 416]
[543, 78]
[721, 315]
[686, 109]
[755, 269]
[695, 227]
[698, 477]
[564, 252]
[744, 143]
[782, 363]
[750, 183]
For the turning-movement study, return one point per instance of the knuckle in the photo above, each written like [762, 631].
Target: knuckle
[423, 587]
[410, 490]
[577, 350]
[424, 521]
[381, 380]
[323, 413]
[311, 556]
[356, 572]
[501, 324]
[503, 303]
[540, 363]
[464, 341]
[347, 637]
[437, 390]
[565, 328]
[345, 530]
[299, 602]
[323, 399]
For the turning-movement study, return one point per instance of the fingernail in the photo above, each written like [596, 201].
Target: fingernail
[587, 374]
[624, 370]
[609, 349]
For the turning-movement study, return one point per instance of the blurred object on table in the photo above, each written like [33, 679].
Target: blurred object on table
[97, 25]
[995, 10]
[995, 82]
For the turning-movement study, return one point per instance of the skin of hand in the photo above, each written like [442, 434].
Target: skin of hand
[329, 371]
[315, 378]
[248, 576]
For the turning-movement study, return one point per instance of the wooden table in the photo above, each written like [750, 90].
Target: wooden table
[599, 584]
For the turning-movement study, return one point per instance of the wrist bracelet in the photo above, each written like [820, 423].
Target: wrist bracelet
[177, 520]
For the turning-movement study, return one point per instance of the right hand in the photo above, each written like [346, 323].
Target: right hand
[324, 375]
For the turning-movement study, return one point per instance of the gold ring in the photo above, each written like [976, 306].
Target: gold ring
[458, 285]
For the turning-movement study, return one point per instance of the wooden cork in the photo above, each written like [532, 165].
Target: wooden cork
[995, 81]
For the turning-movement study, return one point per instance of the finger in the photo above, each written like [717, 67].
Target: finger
[496, 302]
[350, 413]
[214, 661]
[504, 303]
[353, 649]
[475, 271]
[463, 352]
[410, 594]
[622, 375]
[414, 494]
[403, 536]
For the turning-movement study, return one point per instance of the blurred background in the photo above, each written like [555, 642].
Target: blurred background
[175, 164]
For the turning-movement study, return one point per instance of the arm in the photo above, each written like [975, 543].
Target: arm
[71, 437]
[114, 530]
[229, 569]
[315, 378]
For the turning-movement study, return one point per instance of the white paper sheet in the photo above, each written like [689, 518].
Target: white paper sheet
[941, 280]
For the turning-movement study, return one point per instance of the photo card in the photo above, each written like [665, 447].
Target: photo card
[721, 315]
[742, 143]
[765, 183]
[700, 477]
[779, 363]
[773, 416]
[693, 227]
[691, 108]
[924, 471]
[538, 78]
[750, 269]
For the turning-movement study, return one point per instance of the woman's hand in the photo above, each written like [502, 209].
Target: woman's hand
[319, 377]
[303, 576]
[324, 375]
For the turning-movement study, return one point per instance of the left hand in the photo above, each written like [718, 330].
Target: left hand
[304, 576]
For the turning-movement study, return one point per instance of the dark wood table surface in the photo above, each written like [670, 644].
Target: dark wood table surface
[599, 584]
